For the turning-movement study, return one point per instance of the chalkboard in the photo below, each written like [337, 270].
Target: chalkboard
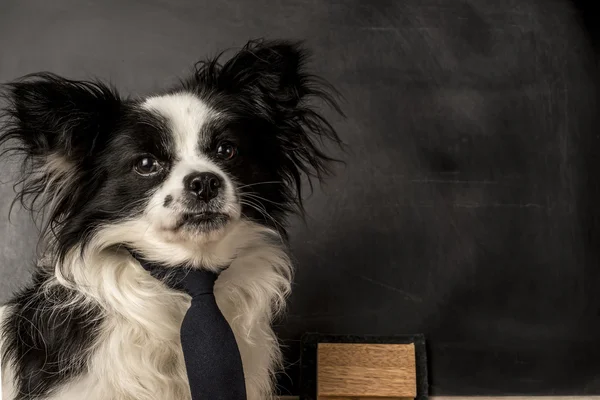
[468, 209]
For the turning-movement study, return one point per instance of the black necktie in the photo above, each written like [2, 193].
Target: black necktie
[212, 357]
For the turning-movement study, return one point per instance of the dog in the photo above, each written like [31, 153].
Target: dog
[204, 174]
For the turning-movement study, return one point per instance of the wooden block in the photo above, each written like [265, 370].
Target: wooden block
[366, 371]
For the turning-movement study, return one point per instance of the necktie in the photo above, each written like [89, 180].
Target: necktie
[211, 355]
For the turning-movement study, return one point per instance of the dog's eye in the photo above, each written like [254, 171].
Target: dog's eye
[226, 151]
[147, 165]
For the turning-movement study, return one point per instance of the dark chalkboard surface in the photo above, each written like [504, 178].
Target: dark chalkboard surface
[469, 206]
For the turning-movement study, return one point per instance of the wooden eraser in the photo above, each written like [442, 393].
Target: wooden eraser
[361, 371]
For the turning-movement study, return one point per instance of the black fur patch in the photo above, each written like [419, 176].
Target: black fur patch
[46, 342]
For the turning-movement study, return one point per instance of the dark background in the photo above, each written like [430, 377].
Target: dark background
[468, 208]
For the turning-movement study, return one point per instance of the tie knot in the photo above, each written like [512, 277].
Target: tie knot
[193, 281]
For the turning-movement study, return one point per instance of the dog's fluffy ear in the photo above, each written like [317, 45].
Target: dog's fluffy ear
[55, 124]
[53, 116]
[271, 71]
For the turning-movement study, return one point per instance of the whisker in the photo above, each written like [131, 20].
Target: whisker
[259, 183]
[257, 197]
[262, 211]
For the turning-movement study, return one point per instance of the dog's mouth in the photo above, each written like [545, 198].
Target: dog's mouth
[203, 221]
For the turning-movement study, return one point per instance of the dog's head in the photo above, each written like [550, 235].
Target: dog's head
[180, 169]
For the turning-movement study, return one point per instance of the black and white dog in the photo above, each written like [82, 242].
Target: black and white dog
[202, 175]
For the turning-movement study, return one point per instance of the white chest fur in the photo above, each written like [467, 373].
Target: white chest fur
[138, 356]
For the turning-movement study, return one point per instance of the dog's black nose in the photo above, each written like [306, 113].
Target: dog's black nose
[205, 185]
